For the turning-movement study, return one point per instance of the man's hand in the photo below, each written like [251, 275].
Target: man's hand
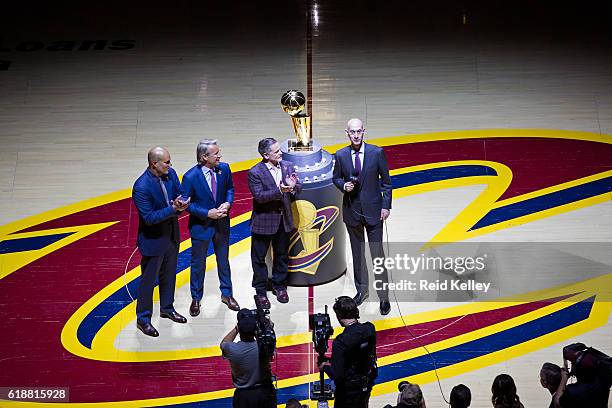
[225, 206]
[323, 364]
[349, 186]
[291, 180]
[384, 214]
[285, 188]
[180, 205]
[216, 213]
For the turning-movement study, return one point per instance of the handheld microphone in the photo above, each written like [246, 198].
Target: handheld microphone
[355, 179]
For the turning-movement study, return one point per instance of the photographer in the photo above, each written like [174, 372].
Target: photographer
[587, 391]
[251, 375]
[410, 396]
[353, 361]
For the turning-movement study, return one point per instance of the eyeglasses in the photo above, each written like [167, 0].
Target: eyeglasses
[354, 132]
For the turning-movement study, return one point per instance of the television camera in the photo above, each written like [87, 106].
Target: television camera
[320, 325]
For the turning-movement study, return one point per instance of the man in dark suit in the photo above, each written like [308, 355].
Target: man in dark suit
[273, 184]
[210, 187]
[157, 196]
[362, 174]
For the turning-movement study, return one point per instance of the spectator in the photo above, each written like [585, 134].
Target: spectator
[550, 377]
[460, 396]
[410, 396]
[293, 403]
[504, 393]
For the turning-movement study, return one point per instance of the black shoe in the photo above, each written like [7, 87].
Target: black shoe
[385, 307]
[281, 295]
[264, 301]
[147, 328]
[194, 309]
[174, 316]
[360, 297]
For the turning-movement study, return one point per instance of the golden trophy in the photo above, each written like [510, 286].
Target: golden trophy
[293, 103]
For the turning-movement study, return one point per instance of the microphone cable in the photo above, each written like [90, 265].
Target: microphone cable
[415, 338]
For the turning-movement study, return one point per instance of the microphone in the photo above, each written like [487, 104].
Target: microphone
[355, 179]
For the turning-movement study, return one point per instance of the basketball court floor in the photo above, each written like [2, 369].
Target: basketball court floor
[496, 121]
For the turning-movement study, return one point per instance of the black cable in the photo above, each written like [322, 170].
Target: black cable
[398, 306]
[408, 328]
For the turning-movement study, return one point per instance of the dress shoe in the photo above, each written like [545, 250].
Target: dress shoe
[147, 328]
[174, 316]
[263, 301]
[230, 302]
[360, 297]
[385, 307]
[194, 309]
[281, 295]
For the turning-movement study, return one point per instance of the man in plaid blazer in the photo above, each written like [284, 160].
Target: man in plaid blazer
[274, 185]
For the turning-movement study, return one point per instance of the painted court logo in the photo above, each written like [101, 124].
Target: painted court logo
[72, 261]
[310, 224]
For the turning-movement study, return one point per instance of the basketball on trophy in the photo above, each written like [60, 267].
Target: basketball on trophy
[293, 102]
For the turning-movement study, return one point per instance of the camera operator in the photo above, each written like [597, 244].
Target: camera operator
[353, 360]
[251, 373]
[587, 391]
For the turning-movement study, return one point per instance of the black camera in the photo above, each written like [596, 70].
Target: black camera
[320, 325]
[589, 363]
[264, 331]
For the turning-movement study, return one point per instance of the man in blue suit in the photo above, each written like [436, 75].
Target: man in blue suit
[210, 187]
[157, 196]
[362, 174]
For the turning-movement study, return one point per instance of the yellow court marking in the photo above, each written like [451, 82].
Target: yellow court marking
[598, 317]
[599, 314]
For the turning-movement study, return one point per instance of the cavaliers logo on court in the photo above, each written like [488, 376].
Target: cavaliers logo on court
[78, 264]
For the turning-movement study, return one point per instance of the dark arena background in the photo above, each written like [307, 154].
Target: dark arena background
[496, 120]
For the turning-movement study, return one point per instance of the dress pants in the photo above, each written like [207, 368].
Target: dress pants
[156, 269]
[359, 400]
[259, 249]
[360, 269]
[261, 396]
[199, 252]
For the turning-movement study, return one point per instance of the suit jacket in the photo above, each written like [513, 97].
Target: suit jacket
[202, 200]
[157, 222]
[270, 206]
[374, 192]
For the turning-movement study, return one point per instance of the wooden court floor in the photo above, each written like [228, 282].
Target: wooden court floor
[496, 121]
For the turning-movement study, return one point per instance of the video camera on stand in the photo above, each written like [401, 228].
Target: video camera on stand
[264, 331]
[320, 325]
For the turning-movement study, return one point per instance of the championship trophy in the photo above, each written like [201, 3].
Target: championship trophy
[317, 246]
[293, 104]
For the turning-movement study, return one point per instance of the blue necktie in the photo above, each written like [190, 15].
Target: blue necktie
[163, 187]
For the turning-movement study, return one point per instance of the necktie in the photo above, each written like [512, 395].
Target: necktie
[163, 187]
[213, 184]
[357, 162]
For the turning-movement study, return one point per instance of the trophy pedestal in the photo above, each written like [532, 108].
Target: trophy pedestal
[317, 250]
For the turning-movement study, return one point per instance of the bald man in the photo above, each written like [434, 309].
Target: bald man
[157, 196]
[361, 173]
